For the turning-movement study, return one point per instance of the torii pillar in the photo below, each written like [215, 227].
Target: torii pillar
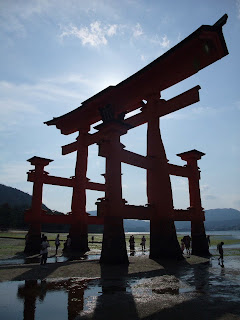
[33, 240]
[114, 249]
[163, 237]
[199, 241]
[79, 228]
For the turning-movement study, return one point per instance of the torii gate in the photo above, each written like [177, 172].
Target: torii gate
[203, 47]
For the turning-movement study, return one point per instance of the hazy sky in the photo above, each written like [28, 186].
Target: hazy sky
[56, 54]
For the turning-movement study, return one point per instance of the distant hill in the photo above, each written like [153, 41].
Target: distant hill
[13, 204]
[216, 219]
[16, 201]
[14, 197]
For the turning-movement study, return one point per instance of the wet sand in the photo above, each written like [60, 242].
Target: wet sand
[195, 288]
[89, 269]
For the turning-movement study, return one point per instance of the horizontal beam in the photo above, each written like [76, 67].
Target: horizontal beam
[58, 181]
[178, 170]
[137, 212]
[165, 107]
[95, 220]
[69, 148]
[48, 218]
[95, 186]
[128, 157]
[125, 211]
[59, 219]
[66, 182]
[135, 159]
[91, 138]
[183, 100]
[187, 215]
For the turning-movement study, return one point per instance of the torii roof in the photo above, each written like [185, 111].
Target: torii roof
[200, 49]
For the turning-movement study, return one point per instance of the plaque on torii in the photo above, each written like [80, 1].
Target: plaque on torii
[203, 47]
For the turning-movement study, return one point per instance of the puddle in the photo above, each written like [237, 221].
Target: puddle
[54, 259]
[49, 260]
[60, 299]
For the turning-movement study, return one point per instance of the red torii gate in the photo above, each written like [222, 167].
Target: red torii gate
[203, 47]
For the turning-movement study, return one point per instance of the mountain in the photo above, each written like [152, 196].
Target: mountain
[14, 197]
[13, 204]
[216, 219]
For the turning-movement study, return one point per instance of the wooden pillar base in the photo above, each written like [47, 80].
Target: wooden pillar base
[33, 240]
[163, 240]
[114, 249]
[199, 241]
[79, 238]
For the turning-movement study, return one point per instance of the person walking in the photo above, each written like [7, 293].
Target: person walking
[182, 246]
[220, 250]
[57, 243]
[143, 243]
[44, 250]
[187, 243]
[132, 243]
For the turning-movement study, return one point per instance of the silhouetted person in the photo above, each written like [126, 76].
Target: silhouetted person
[67, 243]
[132, 243]
[187, 242]
[44, 250]
[208, 240]
[182, 245]
[143, 243]
[92, 238]
[57, 243]
[220, 250]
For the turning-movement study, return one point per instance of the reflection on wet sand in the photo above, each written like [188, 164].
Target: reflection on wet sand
[122, 306]
[176, 290]
[79, 304]
[33, 290]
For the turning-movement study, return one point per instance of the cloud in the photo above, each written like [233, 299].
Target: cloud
[95, 35]
[137, 30]
[164, 42]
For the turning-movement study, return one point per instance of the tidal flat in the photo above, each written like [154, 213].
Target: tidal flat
[194, 288]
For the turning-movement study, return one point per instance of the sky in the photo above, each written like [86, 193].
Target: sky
[56, 54]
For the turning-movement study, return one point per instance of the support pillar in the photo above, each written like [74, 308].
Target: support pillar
[199, 241]
[114, 249]
[33, 239]
[163, 237]
[79, 229]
